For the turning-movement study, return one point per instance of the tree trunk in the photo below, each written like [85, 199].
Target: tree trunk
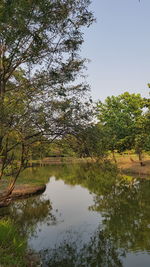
[114, 158]
[131, 159]
[141, 159]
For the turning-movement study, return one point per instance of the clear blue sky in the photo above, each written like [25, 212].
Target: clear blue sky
[118, 46]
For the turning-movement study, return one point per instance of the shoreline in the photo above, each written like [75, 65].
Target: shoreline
[22, 192]
[124, 164]
[127, 166]
[25, 190]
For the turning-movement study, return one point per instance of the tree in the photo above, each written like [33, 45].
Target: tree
[123, 119]
[88, 141]
[39, 63]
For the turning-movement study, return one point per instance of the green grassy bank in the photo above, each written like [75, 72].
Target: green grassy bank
[13, 246]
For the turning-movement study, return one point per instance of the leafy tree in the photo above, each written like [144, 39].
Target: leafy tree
[123, 120]
[39, 63]
[89, 141]
[147, 124]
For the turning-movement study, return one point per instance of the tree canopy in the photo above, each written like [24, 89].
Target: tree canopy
[40, 42]
[124, 119]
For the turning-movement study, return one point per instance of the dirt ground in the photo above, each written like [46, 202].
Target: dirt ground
[130, 164]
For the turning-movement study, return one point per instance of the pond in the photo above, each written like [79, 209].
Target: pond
[88, 216]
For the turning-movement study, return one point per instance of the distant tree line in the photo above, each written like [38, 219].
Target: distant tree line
[122, 124]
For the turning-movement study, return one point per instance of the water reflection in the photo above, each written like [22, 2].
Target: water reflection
[88, 216]
[126, 213]
[99, 251]
[29, 212]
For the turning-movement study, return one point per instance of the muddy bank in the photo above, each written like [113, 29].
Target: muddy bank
[22, 191]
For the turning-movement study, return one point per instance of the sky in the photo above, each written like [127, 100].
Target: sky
[118, 46]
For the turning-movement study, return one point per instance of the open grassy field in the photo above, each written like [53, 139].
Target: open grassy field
[129, 163]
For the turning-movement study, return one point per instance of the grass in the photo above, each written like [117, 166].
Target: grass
[129, 163]
[12, 245]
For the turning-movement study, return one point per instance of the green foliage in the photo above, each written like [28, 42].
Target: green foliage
[88, 141]
[40, 99]
[124, 120]
[12, 245]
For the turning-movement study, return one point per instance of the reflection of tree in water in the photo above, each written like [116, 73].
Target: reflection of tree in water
[99, 251]
[98, 179]
[29, 212]
[124, 206]
[126, 213]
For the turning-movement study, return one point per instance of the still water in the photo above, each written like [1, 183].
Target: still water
[88, 216]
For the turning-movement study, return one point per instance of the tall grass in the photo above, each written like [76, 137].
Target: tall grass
[12, 245]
